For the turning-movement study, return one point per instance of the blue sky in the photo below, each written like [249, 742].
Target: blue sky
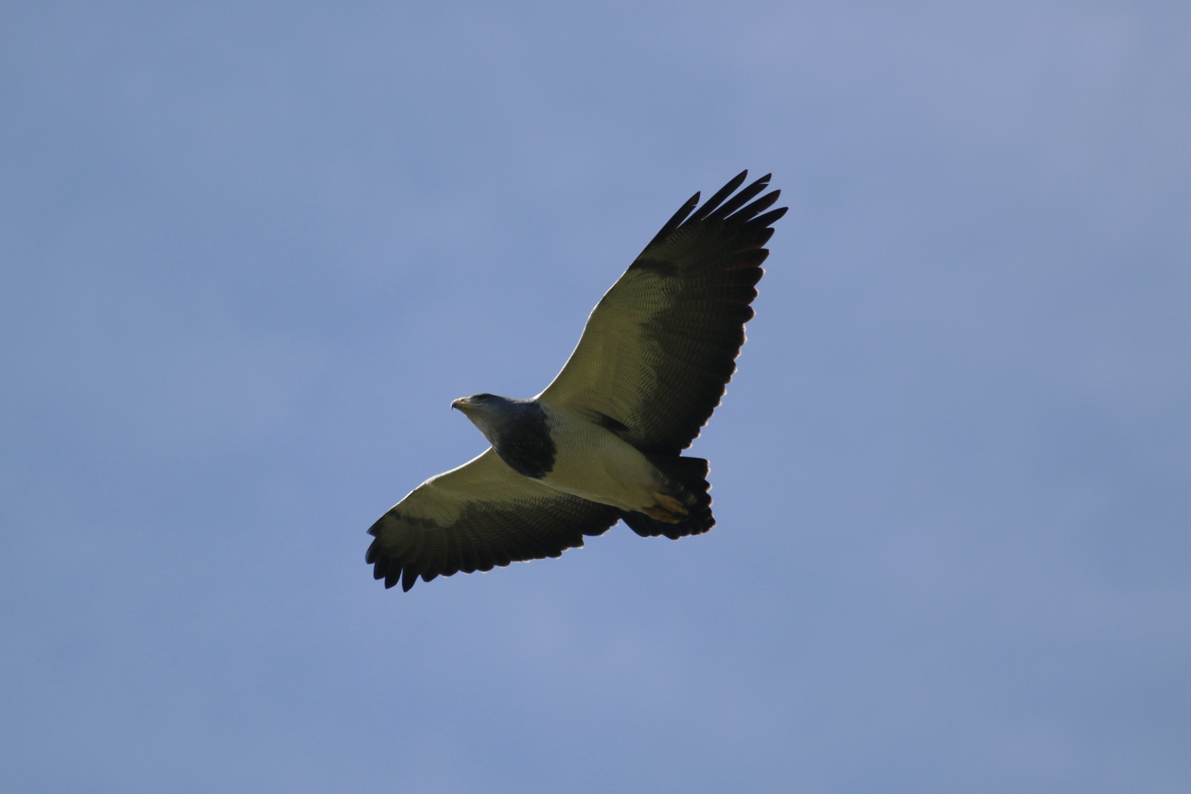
[249, 253]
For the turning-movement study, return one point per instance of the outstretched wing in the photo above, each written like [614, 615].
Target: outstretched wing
[660, 347]
[476, 516]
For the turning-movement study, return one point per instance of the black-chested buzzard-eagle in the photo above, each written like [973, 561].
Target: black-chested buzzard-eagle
[602, 442]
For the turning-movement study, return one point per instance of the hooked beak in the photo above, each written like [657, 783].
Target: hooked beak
[461, 403]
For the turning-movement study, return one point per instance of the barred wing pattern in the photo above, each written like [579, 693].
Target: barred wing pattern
[660, 347]
[480, 515]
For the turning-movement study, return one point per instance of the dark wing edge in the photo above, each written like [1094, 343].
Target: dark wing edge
[659, 349]
[476, 517]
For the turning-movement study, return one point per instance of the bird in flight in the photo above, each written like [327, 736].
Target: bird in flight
[602, 443]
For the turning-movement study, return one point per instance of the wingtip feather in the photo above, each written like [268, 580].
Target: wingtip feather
[721, 194]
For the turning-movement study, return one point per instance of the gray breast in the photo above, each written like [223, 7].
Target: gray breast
[523, 439]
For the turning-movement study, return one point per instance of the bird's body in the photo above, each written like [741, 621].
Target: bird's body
[602, 443]
[594, 463]
[566, 452]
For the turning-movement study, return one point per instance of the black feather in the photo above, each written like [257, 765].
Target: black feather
[675, 220]
[740, 198]
[720, 195]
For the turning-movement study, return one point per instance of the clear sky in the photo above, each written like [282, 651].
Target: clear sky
[249, 253]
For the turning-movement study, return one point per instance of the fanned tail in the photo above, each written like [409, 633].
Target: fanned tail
[688, 480]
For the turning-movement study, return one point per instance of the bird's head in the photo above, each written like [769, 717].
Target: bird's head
[491, 414]
[497, 417]
[476, 402]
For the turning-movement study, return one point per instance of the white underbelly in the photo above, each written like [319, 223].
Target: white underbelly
[596, 464]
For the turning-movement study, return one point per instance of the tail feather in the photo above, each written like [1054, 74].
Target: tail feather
[687, 481]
